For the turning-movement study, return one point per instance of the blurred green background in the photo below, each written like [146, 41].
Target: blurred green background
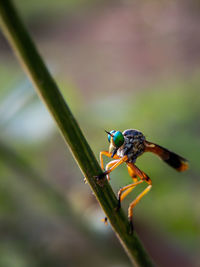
[119, 64]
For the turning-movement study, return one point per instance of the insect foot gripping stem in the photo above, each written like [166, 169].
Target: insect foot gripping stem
[101, 176]
[131, 226]
[118, 204]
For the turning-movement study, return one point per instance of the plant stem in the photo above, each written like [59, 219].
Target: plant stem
[47, 89]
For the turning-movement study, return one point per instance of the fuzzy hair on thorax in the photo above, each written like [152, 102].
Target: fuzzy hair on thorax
[133, 145]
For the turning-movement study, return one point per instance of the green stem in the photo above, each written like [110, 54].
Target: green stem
[47, 89]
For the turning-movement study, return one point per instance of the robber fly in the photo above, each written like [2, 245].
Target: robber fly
[127, 147]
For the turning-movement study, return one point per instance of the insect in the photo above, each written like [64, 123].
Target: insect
[127, 147]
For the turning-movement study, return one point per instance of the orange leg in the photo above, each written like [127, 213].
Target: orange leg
[145, 178]
[109, 165]
[128, 188]
[131, 171]
[120, 161]
[106, 153]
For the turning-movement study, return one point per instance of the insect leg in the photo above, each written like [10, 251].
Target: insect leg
[120, 161]
[145, 178]
[106, 153]
[131, 171]
[121, 193]
[127, 189]
[109, 165]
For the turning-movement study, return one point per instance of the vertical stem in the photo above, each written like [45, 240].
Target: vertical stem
[48, 91]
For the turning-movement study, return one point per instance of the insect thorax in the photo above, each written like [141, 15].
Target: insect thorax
[133, 145]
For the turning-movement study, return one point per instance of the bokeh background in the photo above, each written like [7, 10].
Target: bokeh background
[119, 64]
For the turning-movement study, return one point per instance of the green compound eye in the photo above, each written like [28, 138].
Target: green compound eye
[112, 132]
[118, 139]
